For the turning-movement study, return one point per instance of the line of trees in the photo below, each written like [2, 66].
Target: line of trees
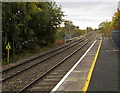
[108, 26]
[70, 29]
[116, 21]
[26, 22]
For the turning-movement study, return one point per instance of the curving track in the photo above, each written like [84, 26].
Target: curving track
[24, 75]
[8, 73]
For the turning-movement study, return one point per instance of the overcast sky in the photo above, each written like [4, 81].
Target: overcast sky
[88, 13]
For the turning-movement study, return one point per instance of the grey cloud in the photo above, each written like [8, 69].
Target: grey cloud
[89, 13]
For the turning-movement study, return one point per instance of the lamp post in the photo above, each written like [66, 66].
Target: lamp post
[119, 6]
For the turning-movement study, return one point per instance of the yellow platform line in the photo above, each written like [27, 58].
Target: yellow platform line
[85, 87]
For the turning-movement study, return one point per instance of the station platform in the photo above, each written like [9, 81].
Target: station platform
[105, 74]
[75, 79]
[97, 70]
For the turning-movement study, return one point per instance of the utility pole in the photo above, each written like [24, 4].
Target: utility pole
[118, 6]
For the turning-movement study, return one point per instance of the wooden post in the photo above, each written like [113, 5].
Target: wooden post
[8, 56]
[8, 47]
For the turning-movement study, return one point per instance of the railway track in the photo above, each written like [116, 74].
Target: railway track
[8, 73]
[38, 64]
[50, 78]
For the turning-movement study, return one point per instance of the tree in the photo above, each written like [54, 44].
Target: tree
[26, 21]
[16, 17]
[77, 32]
[69, 27]
[106, 28]
[46, 22]
[89, 29]
[116, 21]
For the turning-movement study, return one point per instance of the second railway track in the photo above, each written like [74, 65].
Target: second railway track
[8, 73]
[23, 79]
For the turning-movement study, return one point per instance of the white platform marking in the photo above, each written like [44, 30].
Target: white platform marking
[63, 79]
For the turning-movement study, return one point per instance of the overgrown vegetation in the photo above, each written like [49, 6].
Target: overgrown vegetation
[107, 27]
[27, 24]
[70, 29]
[33, 27]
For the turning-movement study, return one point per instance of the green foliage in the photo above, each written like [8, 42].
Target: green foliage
[60, 34]
[106, 28]
[46, 22]
[68, 27]
[25, 23]
[116, 21]
[89, 29]
[78, 32]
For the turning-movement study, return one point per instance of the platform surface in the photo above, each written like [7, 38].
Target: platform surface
[75, 81]
[105, 74]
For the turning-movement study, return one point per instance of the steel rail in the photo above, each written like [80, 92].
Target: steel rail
[3, 80]
[45, 53]
[30, 84]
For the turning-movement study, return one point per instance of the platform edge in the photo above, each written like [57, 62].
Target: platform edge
[87, 82]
